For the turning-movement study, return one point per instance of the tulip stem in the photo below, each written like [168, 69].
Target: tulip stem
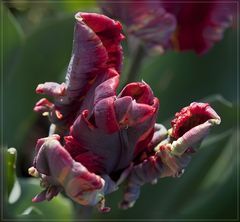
[134, 69]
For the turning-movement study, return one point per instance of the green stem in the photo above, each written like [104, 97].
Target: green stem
[133, 71]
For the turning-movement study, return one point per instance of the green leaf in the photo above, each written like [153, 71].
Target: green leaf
[31, 211]
[43, 57]
[11, 157]
[12, 38]
[58, 208]
[13, 35]
[179, 78]
[219, 184]
[76, 6]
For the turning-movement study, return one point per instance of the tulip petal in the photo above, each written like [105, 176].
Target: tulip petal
[191, 116]
[62, 171]
[178, 25]
[43, 105]
[109, 31]
[191, 125]
[160, 133]
[161, 164]
[51, 89]
[200, 25]
[147, 21]
[100, 37]
[193, 138]
[119, 127]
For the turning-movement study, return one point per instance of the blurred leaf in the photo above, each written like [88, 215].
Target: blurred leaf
[13, 187]
[227, 110]
[15, 192]
[75, 6]
[13, 35]
[219, 184]
[31, 211]
[11, 157]
[43, 57]
[12, 38]
[58, 208]
[10, 188]
[178, 78]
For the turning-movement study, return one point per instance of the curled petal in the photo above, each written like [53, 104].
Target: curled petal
[191, 125]
[43, 105]
[84, 67]
[51, 89]
[139, 91]
[135, 104]
[47, 194]
[192, 138]
[40, 197]
[160, 133]
[62, 171]
[92, 31]
[145, 20]
[117, 130]
[100, 37]
[109, 31]
[161, 164]
[191, 116]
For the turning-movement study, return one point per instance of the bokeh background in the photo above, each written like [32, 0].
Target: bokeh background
[36, 47]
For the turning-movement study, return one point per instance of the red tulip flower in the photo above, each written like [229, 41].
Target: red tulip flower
[172, 154]
[99, 139]
[101, 133]
[170, 25]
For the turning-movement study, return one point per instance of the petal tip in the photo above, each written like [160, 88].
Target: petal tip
[78, 17]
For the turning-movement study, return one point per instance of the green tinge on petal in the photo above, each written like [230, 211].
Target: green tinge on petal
[193, 137]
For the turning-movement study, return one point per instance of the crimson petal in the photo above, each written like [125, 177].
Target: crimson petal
[200, 25]
[145, 20]
[100, 37]
[79, 184]
[191, 125]
[117, 130]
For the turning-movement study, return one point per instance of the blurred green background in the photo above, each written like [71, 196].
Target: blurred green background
[37, 40]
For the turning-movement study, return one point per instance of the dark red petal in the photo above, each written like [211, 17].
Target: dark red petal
[144, 130]
[146, 20]
[62, 171]
[105, 116]
[96, 55]
[200, 25]
[109, 32]
[51, 89]
[104, 146]
[118, 129]
[160, 133]
[43, 105]
[139, 91]
[108, 87]
[191, 116]
[92, 161]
